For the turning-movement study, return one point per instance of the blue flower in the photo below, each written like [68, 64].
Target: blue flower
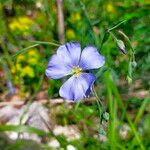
[69, 60]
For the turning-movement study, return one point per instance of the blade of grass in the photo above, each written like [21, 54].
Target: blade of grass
[116, 26]
[112, 108]
[120, 147]
[120, 103]
[27, 129]
[23, 128]
[45, 43]
[141, 110]
[101, 110]
[24, 50]
[77, 105]
[32, 46]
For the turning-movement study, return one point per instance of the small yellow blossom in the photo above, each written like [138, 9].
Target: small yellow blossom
[16, 68]
[21, 57]
[54, 8]
[33, 57]
[14, 25]
[147, 2]
[25, 65]
[33, 52]
[110, 8]
[70, 34]
[75, 17]
[21, 24]
[33, 61]
[27, 71]
[13, 70]
[25, 20]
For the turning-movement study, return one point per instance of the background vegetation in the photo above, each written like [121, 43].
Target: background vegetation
[30, 32]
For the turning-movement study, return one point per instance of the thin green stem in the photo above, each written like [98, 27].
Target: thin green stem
[116, 26]
[114, 37]
[77, 105]
[99, 104]
[101, 111]
[132, 62]
[32, 46]
[120, 147]
[24, 50]
[108, 31]
[97, 97]
[45, 43]
[141, 110]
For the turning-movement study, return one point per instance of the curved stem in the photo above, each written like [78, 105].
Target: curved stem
[94, 91]
[99, 104]
[116, 26]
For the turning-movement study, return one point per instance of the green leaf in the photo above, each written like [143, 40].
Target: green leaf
[23, 144]
[23, 128]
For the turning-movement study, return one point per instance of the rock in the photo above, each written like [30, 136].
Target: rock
[34, 115]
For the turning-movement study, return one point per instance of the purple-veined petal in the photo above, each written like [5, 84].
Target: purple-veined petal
[70, 53]
[77, 87]
[91, 59]
[57, 68]
[61, 64]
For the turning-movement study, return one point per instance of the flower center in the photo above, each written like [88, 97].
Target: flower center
[77, 70]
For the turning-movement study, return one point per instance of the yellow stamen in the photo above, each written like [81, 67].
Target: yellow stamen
[77, 70]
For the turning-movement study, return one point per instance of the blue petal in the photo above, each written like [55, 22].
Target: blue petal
[77, 87]
[70, 53]
[56, 68]
[91, 59]
[61, 64]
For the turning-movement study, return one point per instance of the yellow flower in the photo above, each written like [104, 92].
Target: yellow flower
[33, 52]
[16, 79]
[21, 24]
[21, 57]
[27, 71]
[25, 20]
[110, 8]
[16, 68]
[33, 61]
[75, 17]
[13, 25]
[33, 56]
[70, 34]
[13, 70]
[146, 2]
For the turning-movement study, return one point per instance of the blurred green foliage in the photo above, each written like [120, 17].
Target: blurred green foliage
[25, 21]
